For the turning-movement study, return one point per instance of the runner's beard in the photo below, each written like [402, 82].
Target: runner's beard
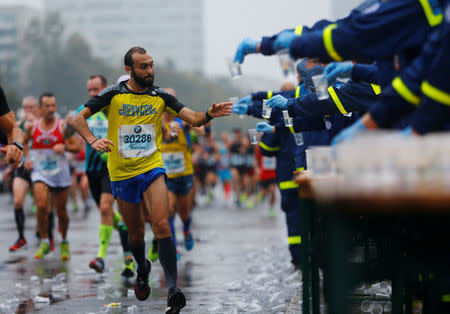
[147, 82]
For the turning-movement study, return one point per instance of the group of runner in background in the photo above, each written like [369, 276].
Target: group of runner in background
[229, 169]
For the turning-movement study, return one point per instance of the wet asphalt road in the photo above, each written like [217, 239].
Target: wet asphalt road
[240, 263]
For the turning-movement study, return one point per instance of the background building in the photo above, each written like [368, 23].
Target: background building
[13, 57]
[171, 31]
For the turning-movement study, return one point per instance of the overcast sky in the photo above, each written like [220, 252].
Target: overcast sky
[228, 22]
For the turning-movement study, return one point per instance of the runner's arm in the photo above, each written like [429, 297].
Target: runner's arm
[197, 119]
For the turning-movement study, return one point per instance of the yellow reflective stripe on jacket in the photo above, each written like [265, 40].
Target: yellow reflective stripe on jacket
[405, 92]
[445, 298]
[376, 88]
[433, 19]
[435, 93]
[300, 169]
[328, 42]
[299, 30]
[294, 240]
[269, 94]
[268, 148]
[286, 185]
[336, 100]
[291, 128]
[297, 91]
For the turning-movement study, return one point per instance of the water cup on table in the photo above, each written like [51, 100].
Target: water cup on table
[234, 67]
[253, 136]
[266, 110]
[235, 101]
[321, 85]
[286, 62]
[288, 121]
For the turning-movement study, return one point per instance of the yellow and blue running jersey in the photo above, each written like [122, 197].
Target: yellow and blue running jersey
[134, 126]
[177, 153]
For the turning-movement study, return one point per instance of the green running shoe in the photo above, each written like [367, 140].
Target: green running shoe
[272, 212]
[43, 250]
[128, 270]
[64, 251]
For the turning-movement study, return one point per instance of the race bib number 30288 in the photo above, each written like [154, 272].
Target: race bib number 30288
[136, 140]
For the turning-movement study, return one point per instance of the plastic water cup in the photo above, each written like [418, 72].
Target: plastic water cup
[235, 68]
[173, 125]
[366, 306]
[266, 110]
[288, 121]
[286, 63]
[253, 136]
[235, 100]
[298, 138]
[321, 86]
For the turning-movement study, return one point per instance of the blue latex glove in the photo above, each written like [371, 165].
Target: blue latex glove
[283, 40]
[407, 132]
[338, 69]
[348, 133]
[245, 100]
[264, 127]
[277, 101]
[240, 108]
[246, 46]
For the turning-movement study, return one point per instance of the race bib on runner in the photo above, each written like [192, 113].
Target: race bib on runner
[98, 127]
[49, 165]
[174, 162]
[269, 163]
[136, 140]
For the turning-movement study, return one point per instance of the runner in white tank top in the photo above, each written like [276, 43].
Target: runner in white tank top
[50, 171]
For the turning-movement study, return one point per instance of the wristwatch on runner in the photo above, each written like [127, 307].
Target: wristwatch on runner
[18, 144]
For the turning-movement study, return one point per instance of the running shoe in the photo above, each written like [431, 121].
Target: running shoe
[153, 252]
[20, 243]
[250, 204]
[178, 255]
[64, 250]
[175, 301]
[128, 270]
[43, 250]
[272, 212]
[188, 240]
[98, 265]
[141, 287]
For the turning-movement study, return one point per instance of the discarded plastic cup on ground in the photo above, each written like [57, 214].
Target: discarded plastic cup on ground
[286, 62]
[366, 306]
[377, 308]
[388, 306]
[266, 110]
[234, 67]
[253, 136]
[235, 101]
[288, 121]
[321, 85]
[298, 138]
